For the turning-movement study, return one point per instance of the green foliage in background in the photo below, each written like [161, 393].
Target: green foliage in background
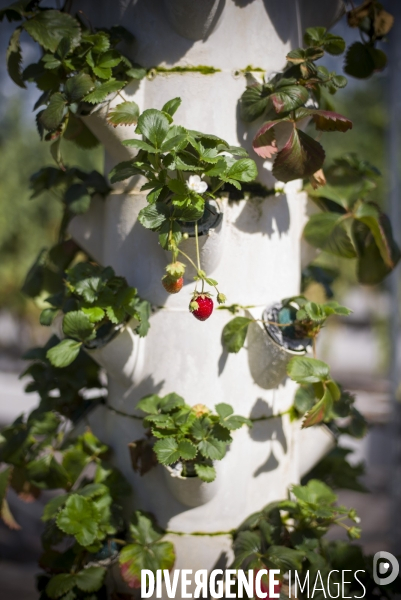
[27, 225]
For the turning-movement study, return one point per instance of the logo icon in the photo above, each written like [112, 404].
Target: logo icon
[386, 571]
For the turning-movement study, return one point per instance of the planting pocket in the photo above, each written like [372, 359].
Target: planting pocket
[190, 491]
[269, 350]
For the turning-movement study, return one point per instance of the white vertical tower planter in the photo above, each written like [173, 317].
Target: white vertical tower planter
[254, 254]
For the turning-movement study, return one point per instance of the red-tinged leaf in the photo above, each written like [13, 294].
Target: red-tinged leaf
[133, 581]
[8, 517]
[327, 120]
[370, 215]
[264, 142]
[5, 512]
[321, 410]
[315, 415]
[301, 157]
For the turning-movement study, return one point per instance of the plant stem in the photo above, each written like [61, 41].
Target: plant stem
[197, 245]
[187, 257]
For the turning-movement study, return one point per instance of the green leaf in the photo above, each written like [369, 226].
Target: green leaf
[77, 325]
[101, 91]
[167, 451]
[143, 310]
[307, 370]
[64, 353]
[359, 61]
[246, 545]
[77, 87]
[140, 145]
[170, 235]
[228, 419]
[14, 58]
[289, 98]
[301, 157]
[154, 126]
[176, 143]
[134, 558]
[371, 268]
[152, 216]
[150, 404]
[253, 102]
[370, 215]
[49, 27]
[47, 473]
[327, 231]
[122, 171]
[318, 36]
[79, 518]
[136, 72]
[60, 585]
[77, 198]
[234, 333]
[90, 579]
[47, 316]
[116, 314]
[52, 116]
[142, 529]
[187, 450]
[94, 313]
[205, 472]
[284, 558]
[171, 106]
[212, 448]
[53, 506]
[243, 169]
[126, 113]
[315, 492]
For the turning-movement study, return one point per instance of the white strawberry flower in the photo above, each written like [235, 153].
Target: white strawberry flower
[195, 184]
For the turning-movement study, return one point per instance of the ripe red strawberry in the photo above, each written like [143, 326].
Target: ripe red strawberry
[201, 306]
[171, 284]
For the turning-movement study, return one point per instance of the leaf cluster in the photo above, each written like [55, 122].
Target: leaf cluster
[192, 436]
[145, 550]
[363, 58]
[336, 472]
[286, 99]
[287, 534]
[167, 154]
[79, 68]
[321, 397]
[338, 408]
[351, 225]
[63, 390]
[298, 318]
[72, 186]
[94, 300]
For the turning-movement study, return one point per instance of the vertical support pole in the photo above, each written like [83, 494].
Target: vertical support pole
[393, 156]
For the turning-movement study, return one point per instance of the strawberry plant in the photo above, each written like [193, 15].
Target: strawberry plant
[351, 224]
[190, 437]
[296, 319]
[290, 97]
[185, 171]
[95, 304]
[79, 69]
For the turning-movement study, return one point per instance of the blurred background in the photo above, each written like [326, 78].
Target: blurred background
[362, 349]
